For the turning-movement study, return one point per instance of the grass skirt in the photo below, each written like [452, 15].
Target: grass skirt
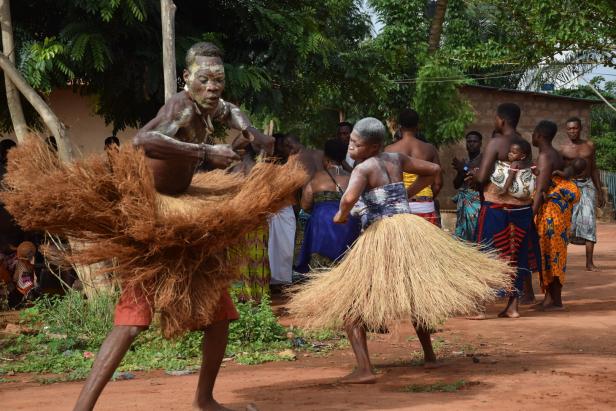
[400, 268]
[177, 249]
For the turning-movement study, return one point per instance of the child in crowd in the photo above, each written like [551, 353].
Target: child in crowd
[517, 177]
[24, 276]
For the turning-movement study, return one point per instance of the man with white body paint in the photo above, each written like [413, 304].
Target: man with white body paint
[175, 146]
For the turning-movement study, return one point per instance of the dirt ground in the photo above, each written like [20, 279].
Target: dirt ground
[547, 361]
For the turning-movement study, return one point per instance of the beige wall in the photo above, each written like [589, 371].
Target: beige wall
[87, 131]
[534, 109]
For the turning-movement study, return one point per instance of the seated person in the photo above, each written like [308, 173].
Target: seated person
[18, 274]
[24, 276]
[324, 242]
[516, 177]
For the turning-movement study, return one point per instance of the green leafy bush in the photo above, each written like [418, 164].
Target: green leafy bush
[67, 329]
[606, 151]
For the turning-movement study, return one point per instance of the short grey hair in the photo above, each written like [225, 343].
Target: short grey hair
[203, 49]
[371, 130]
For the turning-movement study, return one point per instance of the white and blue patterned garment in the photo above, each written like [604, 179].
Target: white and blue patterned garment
[584, 217]
[381, 202]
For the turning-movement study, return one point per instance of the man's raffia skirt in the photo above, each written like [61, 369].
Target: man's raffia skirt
[402, 267]
[175, 248]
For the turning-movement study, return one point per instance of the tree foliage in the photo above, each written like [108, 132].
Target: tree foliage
[302, 63]
[443, 112]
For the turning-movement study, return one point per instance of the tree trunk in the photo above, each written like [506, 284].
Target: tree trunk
[12, 95]
[436, 28]
[57, 129]
[167, 12]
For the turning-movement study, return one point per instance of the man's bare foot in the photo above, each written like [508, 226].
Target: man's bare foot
[480, 316]
[212, 405]
[592, 267]
[508, 314]
[359, 377]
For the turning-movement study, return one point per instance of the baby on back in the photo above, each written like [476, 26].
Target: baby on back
[517, 176]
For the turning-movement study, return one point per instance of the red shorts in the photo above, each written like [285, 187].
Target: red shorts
[431, 217]
[135, 309]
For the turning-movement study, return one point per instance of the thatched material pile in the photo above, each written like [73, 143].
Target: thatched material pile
[176, 249]
[401, 268]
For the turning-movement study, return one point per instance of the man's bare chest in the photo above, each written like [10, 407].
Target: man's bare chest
[195, 131]
[583, 151]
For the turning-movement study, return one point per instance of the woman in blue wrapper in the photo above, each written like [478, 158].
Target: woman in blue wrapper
[324, 241]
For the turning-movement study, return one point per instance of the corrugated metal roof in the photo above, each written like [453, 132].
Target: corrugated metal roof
[536, 93]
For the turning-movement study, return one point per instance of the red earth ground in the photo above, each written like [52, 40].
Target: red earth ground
[547, 361]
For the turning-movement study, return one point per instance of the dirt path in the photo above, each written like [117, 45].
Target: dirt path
[547, 361]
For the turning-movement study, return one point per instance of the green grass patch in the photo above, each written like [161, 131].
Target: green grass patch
[438, 386]
[66, 330]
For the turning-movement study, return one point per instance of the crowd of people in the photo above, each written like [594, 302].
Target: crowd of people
[504, 198]
[365, 215]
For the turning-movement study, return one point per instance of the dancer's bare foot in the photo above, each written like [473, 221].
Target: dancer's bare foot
[480, 316]
[212, 405]
[511, 311]
[359, 377]
[508, 314]
[592, 267]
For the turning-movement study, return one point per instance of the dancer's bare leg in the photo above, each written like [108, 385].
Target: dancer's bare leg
[590, 250]
[511, 311]
[423, 335]
[214, 346]
[363, 374]
[107, 360]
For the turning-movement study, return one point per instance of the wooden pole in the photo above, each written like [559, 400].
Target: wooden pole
[12, 94]
[167, 12]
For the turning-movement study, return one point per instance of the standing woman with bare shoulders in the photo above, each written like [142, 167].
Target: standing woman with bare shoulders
[324, 241]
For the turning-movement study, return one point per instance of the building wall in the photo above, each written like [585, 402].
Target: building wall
[534, 109]
[87, 131]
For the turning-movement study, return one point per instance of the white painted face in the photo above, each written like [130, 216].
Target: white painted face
[205, 81]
